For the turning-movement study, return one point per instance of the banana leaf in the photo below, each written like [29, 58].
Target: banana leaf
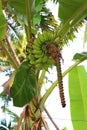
[2, 23]
[70, 13]
[19, 8]
[78, 97]
[70, 9]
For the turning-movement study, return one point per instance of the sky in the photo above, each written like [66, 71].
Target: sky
[60, 115]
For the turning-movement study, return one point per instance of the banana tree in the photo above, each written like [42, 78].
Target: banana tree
[31, 40]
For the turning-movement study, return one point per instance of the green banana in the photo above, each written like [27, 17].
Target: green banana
[46, 67]
[37, 42]
[38, 56]
[41, 38]
[37, 52]
[38, 66]
[35, 47]
[32, 62]
[38, 61]
[45, 59]
[45, 36]
[49, 36]
[31, 56]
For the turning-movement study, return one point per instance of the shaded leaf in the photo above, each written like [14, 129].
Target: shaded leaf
[19, 8]
[2, 24]
[78, 97]
[23, 88]
[78, 56]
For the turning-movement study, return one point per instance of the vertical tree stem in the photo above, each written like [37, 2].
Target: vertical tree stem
[28, 12]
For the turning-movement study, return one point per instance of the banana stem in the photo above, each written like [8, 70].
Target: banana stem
[40, 80]
[49, 91]
[28, 12]
[60, 82]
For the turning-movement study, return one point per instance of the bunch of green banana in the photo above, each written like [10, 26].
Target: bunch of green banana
[38, 55]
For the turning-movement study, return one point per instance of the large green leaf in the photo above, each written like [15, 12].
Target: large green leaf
[19, 8]
[2, 23]
[78, 97]
[71, 12]
[69, 8]
[23, 88]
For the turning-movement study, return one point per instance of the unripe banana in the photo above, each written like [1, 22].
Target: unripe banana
[38, 61]
[38, 56]
[37, 52]
[41, 38]
[32, 62]
[37, 42]
[45, 59]
[38, 66]
[46, 67]
[35, 47]
[31, 56]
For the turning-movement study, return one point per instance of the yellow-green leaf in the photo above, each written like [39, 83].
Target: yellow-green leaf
[78, 97]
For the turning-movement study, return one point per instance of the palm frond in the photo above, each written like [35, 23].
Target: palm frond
[48, 21]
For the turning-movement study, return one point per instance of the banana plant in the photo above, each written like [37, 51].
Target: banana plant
[44, 40]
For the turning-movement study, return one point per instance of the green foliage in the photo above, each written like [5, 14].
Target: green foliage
[23, 88]
[38, 55]
[70, 14]
[19, 8]
[67, 9]
[48, 21]
[79, 56]
[38, 7]
[78, 97]
[2, 23]
[44, 51]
